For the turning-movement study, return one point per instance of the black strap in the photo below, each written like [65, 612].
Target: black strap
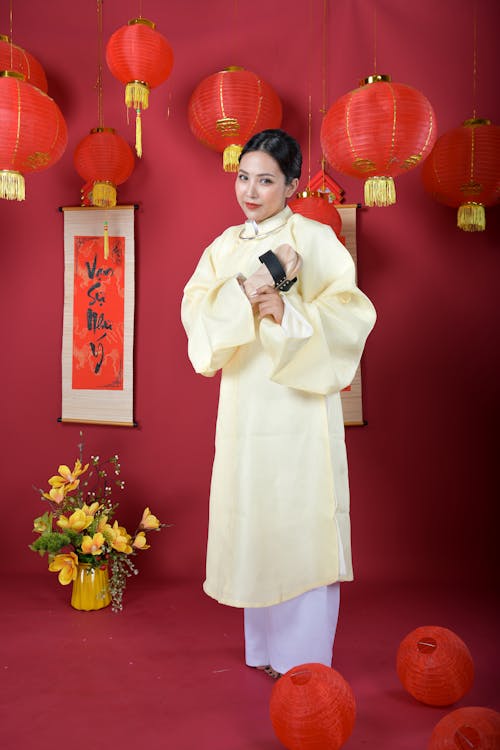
[277, 271]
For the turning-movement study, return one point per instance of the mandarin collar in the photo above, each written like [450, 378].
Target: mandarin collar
[251, 229]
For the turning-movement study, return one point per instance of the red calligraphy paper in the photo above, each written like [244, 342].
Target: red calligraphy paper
[98, 314]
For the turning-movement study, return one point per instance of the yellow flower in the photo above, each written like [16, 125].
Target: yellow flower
[103, 524]
[90, 510]
[67, 478]
[43, 523]
[148, 521]
[67, 565]
[78, 521]
[55, 495]
[140, 541]
[93, 545]
[120, 539]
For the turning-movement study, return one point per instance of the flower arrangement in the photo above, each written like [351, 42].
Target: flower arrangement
[78, 527]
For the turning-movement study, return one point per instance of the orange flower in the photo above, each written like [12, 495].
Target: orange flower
[92, 545]
[120, 539]
[148, 521]
[78, 521]
[67, 478]
[67, 565]
[140, 541]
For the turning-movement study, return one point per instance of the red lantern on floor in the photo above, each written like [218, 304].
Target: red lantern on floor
[376, 132]
[141, 58]
[104, 159]
[228, 107]
[15, 58]
[316, 205]
[469, 728]
[33, 134]
[312, 707]
[435, 666]
[463, 171]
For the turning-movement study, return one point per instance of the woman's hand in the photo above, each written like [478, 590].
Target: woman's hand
[269, 302]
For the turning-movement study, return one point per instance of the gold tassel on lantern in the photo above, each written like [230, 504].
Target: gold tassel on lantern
[230, 158]
[12, 185]
[380, 191]
[104, 195]
[137, 96]
[138, 133]
[471, 217]
[106, 241]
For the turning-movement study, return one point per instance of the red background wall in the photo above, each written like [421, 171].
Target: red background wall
[424, 469]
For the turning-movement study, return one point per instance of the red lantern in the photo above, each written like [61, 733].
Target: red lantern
[316, 205]
[140, 57]
[463, 171]
[378, 131]
[435, 666]
[469, 728]
[15, 58]
[312, 707]
[104, 159]
[33, 133]
[228, 107]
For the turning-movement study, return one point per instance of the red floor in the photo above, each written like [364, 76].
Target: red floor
[168, 672]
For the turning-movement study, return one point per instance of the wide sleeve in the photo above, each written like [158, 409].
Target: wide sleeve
[321, 351]
[216, 316]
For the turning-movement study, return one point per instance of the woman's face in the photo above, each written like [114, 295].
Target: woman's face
[260, 186]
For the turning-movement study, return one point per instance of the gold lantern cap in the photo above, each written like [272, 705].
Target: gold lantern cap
[307, 193]
[12, 74]
[102, 130]
[375, 78]
[144, 21]
[473, 122]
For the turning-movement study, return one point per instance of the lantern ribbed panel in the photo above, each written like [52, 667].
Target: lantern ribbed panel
[22, 62]
[435, 666]
[468, 728]
[139, 53]
[104, 156]
[312, 707]
[318, 208]
[33, 133]
[230, 106]
[379, 129]
[464, 166]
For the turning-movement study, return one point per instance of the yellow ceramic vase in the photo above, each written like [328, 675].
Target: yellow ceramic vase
[90, 588]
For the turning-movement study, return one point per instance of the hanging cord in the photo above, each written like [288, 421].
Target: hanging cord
[474, 60]
[100, 120]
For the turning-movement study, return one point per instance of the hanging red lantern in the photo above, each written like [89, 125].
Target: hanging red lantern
[33, 133]
[15, 58]
[376, 132]
[468, 728]
[463, 171]
[435, 666]
[316, 205]
[104, 160]
[312, 706]
[141, 58]
[230, 106]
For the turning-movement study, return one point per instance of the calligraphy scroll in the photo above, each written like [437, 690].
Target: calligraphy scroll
[352, 404]
[98, 321]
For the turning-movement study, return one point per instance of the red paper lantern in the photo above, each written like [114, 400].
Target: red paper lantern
[104, 159]
[33, 133]
[141, 58]
[435, 666]
[15, 58]
[312, 708]
[230, 106]
[316, 205]
[463, 171]
[469, 728]
[378, 131]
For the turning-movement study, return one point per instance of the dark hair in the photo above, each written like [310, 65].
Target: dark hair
[282, 147]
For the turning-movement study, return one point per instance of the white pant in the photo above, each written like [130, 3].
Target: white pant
[294, 632]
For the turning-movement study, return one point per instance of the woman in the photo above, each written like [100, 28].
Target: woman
[279, 532]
